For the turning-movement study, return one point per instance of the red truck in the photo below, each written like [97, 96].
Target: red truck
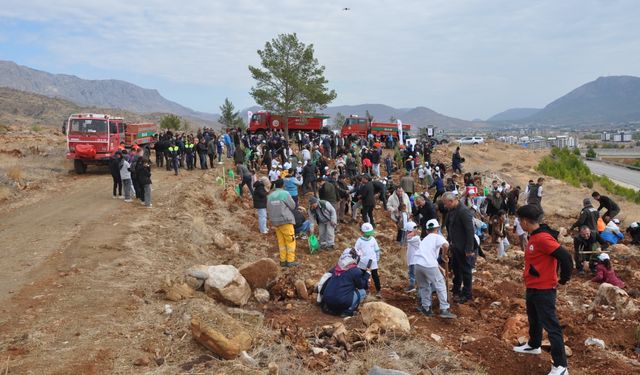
[94, 138]
[264, 121]
[362, 127]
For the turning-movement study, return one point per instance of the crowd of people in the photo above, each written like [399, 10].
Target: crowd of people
[442, 215]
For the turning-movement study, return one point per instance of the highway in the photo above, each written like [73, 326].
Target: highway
[625, 176]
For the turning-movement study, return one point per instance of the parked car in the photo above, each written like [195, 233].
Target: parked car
[471, 140]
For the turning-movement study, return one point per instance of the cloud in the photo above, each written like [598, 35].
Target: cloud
[466, 58]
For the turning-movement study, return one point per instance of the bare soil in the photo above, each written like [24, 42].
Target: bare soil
[81, 291]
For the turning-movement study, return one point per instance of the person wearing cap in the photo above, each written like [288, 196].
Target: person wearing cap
[605, 272]
[368, 250]
[605, 202]
[541, 280]
[588, 216]
[611, 232]
[323, 216]
[413, 244]
[280, 208]
[431, 250]
[274, 174]
[634, 232]
[586, 242]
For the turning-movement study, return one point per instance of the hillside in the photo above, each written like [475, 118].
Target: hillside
[99, 93]
[607, 100]
[25, 108]
[513, 114]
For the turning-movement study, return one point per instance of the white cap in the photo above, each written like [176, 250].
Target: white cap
[366, 227]
[616, 221]
[410, 226]
[433, 223]
[634, 224]
[603, 256]
[474, 207]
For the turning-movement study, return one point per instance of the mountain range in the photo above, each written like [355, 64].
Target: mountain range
[606, 101]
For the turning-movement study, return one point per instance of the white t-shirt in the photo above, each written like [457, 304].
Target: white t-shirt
[519, 230]
[413, 244]
[427, 254]
[368, 249]
[274, 175]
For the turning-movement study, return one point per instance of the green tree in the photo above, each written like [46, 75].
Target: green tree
[229, 118]
[291, 79]
[591, 153]
[338, 121]
[170, 122]
[368, 115]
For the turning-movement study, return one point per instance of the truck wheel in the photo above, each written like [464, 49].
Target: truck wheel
[79, 166]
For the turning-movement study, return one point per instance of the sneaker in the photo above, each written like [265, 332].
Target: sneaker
[128, 200]
[560, 370]
[460, 300]
[446, 314]
[293, 264]
[149, 206]
[420, 309]
[303, 237]
[526, 349]
[410, 289]
[427, 312]
[115, 197]
[120, 197]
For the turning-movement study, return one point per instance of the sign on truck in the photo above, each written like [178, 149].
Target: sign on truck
[362, 127]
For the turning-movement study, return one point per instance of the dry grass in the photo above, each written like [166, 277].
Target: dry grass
[15, 173]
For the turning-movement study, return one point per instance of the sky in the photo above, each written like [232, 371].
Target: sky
[463, 58]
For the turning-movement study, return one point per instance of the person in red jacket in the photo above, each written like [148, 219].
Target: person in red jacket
[541, 258]
[605, 273]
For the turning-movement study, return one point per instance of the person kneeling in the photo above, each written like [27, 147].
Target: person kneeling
[345, 289]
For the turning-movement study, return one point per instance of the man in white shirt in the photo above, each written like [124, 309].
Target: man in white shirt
[427, 270]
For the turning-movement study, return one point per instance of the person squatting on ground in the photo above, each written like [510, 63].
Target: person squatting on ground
[431, 249]
[323, 216]
[280, 208]
[605, 272]
[541, 280]
[368, 249]
[587, 243]
[344, 290]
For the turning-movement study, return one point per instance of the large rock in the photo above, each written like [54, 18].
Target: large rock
[387, 317]
[226, 284]
[212, 327]
[199, 272]
[260, 273]
[613, 296]
[515, 327]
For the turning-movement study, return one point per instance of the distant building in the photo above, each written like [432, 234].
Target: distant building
[616, 137]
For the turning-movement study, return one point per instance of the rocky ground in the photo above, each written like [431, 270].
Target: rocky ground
[96, 286]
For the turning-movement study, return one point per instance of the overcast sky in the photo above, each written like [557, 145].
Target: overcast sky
[463, 58]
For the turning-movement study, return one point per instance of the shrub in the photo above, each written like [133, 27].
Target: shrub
[565, 165]
[591, 153]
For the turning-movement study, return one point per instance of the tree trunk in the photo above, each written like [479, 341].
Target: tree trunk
[286, 126]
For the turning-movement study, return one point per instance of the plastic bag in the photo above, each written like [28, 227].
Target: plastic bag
[231, 174]
[314, 244]
[237, 190]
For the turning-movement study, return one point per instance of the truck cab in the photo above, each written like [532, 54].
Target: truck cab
[355, 125]
[93, 138]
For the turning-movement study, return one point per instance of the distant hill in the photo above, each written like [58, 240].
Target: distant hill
[25, 108]
[514, 114]
[607, 100]
[99, 93]
[420, 117]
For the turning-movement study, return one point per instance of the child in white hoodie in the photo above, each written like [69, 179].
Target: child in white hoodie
[413, 244]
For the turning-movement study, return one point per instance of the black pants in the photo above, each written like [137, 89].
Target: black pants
[159, 158]
[117, 185]
[438, 194]
[212, 157]
[462, 279]
[367, 215]
[246, 180]
[376, 279]
[541, 311]
[611, 213]
[203, 161]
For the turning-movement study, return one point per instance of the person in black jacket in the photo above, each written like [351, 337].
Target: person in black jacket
[380, 189]
[423, 211]
[460, 235]
[260, 204]
[114, 168]
[605, 202]
[143, 172]
[368, 200]
[309, 179]
[137, 168]
[588, 241]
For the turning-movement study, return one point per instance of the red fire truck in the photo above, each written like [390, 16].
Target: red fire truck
[362, 127]
[94, 138]
[263, 121]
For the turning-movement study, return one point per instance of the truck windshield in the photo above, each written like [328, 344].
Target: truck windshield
[255, 118]
[88, 126]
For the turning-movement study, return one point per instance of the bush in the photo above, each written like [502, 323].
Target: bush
[591, 153]
[565, 165]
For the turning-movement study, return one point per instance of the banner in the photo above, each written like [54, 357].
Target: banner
[400, 140]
